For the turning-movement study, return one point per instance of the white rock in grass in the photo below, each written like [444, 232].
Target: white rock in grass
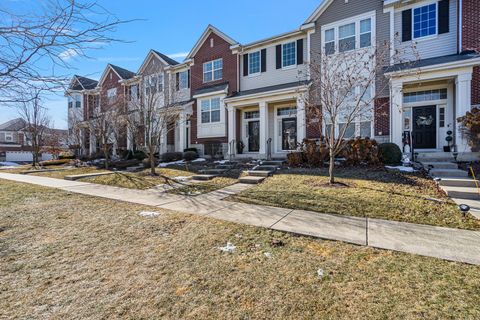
[268, 255]
[149, 214]
[320, 273]
[230, 248]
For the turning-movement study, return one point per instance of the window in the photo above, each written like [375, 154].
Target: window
[75, 100]
[151, 85]
[210, 109]
[289, 54]
[8, 136]
[366, 129]
[160, 83]
[355, 129]
[425, 21]
[349, 132]
[365, 33]
[330, 41]
[346, 35]
[442, 118]
[427, 95]
[213, 70]
[254, 62]
[133, 92]
[289, 111]
[252, 114]
[183, 80]
[111, 95]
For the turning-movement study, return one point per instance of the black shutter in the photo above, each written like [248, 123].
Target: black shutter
[300, 51]
[263, 57]
[443, 16]
[177, 81]
[279, 56]
[245, 65]
[407, 25]
[188, 78]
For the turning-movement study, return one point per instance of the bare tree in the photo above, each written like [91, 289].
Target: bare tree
[48, 33]
[345, 85]
[37, 122]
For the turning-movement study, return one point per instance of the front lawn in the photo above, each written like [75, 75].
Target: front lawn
[65, 256]
[369, 192]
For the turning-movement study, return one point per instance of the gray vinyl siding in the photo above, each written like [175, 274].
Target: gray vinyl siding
[274, 76]
[339, 10]
[442, 45]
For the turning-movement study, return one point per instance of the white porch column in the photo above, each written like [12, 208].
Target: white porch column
[129, 139]
[263, 108]
[301, 120]
[93, 144]
[182, 128]
[396, 113]
[463, 104]
[163, 142]
[232, 129]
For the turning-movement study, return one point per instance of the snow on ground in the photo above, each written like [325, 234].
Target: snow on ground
[9, 164]
[401, 168]
[166, 164]
[200, 160]
[222, 162]
[182, 179]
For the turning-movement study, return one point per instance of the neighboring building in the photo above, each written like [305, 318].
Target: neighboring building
[16, 143]
[229, 94]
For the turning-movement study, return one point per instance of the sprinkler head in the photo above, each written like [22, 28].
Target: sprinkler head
[464, 208]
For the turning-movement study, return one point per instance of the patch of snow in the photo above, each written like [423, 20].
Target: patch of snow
[320, 273]
[268, 255]
[8, 164]
[166, 164]
[230, 248]
[200, 160]
[149, 214]
[222, 161]
[401, 168]
[181, 179]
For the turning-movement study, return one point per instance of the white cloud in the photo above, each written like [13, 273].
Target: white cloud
[178, 55]
[118, 59]
[68, 54]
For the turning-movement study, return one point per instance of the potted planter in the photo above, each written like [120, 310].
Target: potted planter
[449, 139]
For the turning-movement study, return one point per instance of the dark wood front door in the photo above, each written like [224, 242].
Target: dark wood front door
[424, 132]
[253, 136]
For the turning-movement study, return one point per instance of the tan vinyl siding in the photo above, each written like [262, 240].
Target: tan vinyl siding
[274, 76]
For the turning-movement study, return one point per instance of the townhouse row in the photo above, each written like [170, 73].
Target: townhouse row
[248, 100]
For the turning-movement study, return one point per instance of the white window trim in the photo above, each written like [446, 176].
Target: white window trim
[335, 25]
[210, 110]
[424, 4]
[293, 66]
[245, 127]
[212, 71]
[278, 128]
[8, 136]
[357, 124]
[259, 63]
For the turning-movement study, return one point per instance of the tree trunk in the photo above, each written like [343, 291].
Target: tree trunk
[105, 153]
[152, 164]
[331, 168]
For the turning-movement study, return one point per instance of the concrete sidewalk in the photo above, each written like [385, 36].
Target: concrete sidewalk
[444, 243]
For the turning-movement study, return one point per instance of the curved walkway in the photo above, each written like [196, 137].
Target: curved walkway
[444, 243]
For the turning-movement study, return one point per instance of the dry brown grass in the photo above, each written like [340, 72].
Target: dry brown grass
[71, 256]
[370, 192]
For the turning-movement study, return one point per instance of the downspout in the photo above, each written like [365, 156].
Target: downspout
[460, 26]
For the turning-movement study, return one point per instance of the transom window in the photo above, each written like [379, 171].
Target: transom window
[348, 37]
[210, 109]
[425, 21]
[289, 54]
[288, 112]
[183, 80]
[213, 70]
[254, 62]
[427, 95]
[252, 114]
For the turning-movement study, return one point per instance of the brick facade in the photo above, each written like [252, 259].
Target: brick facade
[220, 49]
[382, 117]
[471, 40]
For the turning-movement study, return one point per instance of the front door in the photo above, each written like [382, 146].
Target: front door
[424, 133]
[289, 134]
[253, 136]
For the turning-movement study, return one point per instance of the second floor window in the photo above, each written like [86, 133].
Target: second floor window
[254, 62]
[183, 80]
[210, 110]
[111, 95]
[330, 41]
[289, 54]
[213, 70]
[348, 37]
[425, 21]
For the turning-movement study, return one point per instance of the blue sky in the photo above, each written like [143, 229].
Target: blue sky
[173, 27]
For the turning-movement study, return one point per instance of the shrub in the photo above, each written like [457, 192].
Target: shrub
[191, 149]
[139, 155]
[146, 163]
[172, 156]
[361, 151]
[55, 162]
[390, 153]
[190, 155]
[470, 128]
[123, 164]
[295, 159]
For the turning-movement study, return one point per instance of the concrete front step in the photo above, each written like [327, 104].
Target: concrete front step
[440, 165]
[441, 173]
[204, 177]
[458, 182]
[462, 193]
[251, 180]
[225, 166]
[259, 173]
[423, 160]
[266, 168]
[213, 171]
[276, 163]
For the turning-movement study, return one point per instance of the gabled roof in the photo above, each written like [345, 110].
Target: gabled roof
[13, 125]
[165, 59]
[204, 36]
[320, 9]
[122, 73]
[82, 83]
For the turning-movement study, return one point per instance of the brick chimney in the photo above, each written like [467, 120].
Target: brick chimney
[471, 39]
